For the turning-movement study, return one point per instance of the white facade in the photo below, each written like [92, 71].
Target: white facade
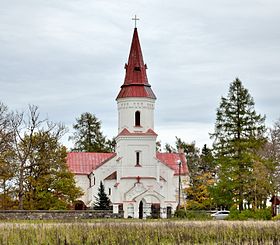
[138, 183]
[137, 179]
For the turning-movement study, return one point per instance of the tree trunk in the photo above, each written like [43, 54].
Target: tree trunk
[20, 191]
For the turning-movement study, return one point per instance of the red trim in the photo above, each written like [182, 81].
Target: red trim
[135, 177]
[125, 132]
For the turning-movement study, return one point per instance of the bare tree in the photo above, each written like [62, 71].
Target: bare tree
[275, 151]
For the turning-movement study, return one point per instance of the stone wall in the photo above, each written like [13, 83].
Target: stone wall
[57, 214]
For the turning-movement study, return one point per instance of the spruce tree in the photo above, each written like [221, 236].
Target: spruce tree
[239, 134]
[88, 136]
[201, 177]
[102, 200]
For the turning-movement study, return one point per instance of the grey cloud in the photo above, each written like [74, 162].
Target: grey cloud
[68, 57]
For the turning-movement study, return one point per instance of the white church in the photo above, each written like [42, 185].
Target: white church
[137, 179]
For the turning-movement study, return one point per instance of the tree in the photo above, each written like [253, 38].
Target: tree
[42, 179]
[49, 183]
[169, 149]
[202, 176]
[191, 153]
[7, 169]
[275, 153]
[202, 173]
[271, 154]
[88, 136]
[102, 200]
[238, 136]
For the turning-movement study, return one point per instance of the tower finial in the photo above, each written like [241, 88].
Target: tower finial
[135, 20]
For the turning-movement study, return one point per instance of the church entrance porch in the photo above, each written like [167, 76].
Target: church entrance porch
[142, 202]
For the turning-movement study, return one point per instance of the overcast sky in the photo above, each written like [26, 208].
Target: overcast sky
[67, 57]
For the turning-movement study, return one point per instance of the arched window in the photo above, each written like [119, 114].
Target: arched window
[137, 118]
[137, 158]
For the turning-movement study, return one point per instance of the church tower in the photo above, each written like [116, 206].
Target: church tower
[136, 101]
[136, 96]
[138, 180]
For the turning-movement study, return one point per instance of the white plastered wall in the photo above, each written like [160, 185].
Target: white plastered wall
[127, 108]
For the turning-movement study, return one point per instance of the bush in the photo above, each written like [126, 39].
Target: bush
[192, 215]
[248, 214]
[277, 217]
[264, 214]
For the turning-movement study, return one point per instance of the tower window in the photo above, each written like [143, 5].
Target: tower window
[110, 192]
[137, 118]
[137, 68]
[138, 158]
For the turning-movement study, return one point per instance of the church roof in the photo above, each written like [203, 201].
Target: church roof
[86, 162]
[171, 160]
[136, 82]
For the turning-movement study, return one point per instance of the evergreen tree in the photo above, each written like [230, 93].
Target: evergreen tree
[191, 153]
[239, 134]
[88, 136]
[102, 200]
[202, 172]
[202, 175]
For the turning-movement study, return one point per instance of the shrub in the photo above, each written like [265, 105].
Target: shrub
[249, 214]
[192, 215]
[277, 217]
[263, 214]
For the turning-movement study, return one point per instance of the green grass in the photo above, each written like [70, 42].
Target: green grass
[139, 232]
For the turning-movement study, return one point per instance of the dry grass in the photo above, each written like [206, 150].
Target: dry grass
[138, 232]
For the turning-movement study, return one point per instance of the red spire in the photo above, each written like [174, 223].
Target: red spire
[136, 82]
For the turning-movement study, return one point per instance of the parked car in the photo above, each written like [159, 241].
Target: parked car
[220, 214]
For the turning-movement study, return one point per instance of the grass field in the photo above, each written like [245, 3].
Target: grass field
[140, 232]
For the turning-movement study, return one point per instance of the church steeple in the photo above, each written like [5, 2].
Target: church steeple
[136, 82]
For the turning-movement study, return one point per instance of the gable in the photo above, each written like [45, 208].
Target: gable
[112, 176]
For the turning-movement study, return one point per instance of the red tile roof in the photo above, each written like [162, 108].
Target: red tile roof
[171, 160]
[86, 162]
[136, 82]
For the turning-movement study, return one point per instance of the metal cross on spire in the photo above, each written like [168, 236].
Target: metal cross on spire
[135, 19]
